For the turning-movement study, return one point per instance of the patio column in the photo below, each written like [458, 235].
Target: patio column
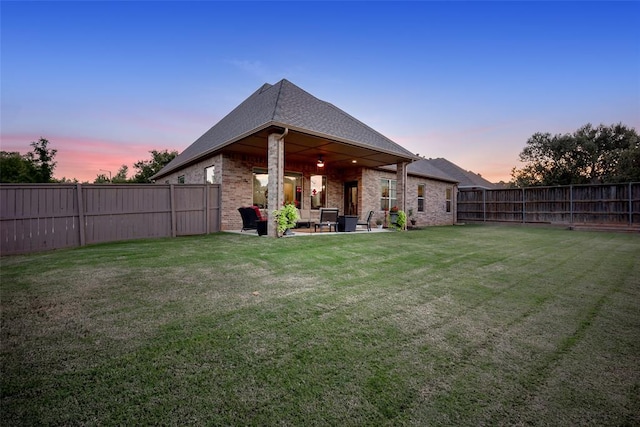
[275, 164]
[401, 186]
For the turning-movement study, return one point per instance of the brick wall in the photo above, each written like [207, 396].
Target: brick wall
[235, 174]
[435, 212]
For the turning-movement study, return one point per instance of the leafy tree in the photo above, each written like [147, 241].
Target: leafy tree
[34, 167]
[101, 179]
[589, 155]
[42, 159]
[121, 176]
[16, 168]
[147, 168]
[65, 180]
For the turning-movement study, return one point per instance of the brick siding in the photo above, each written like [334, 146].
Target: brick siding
[235, 174]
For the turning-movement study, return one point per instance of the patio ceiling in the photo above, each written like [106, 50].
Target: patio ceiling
[302, 147]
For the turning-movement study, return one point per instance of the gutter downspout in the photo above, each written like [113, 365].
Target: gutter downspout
[286, 132]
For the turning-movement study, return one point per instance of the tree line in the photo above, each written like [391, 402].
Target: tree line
[590, 155]
[37, 166]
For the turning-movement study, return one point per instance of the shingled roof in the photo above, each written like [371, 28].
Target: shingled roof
[444, 170]
[466, 179]
[285, 105]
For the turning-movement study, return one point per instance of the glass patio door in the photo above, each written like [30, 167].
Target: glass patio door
[351, 198]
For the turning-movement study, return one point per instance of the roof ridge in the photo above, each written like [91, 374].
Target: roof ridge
[277, 106]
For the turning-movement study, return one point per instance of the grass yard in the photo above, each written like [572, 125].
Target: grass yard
[472, 325]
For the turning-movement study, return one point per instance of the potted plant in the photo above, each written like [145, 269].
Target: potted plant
[401, 222]
[393, 215]
[286, 218]
[412, 218]
[379, 222]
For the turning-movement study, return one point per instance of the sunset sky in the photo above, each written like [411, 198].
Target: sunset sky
[106, 82]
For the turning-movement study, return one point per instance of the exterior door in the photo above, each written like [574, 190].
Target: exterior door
[351, 198]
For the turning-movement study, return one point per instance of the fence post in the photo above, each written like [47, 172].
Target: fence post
[630, 207]
[172, 202]
[484, 205]
[205, 208]
[81, 224]
[523, 207]
[571, 204]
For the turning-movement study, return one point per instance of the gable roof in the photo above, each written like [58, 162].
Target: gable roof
[444, 170]
[424, 168]
[466, 179]
[285, 105]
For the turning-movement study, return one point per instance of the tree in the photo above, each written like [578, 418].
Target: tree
[42, 159]
[589, 155]
[119, 178]
[16, 168]
[34, 167]
[148, 168]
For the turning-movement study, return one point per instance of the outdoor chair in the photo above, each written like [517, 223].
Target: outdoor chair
[304, 219]
[366, 222]
[328, 218]
[250, 217]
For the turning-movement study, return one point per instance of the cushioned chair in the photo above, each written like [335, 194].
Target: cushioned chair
[250, 217]
[366, 222]
[328, 218]
[303, 219]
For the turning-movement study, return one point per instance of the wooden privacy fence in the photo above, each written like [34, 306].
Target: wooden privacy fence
[36, 217]
[616, 204]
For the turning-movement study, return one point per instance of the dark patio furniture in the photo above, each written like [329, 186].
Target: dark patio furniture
[347, 223]
[262, 227]
[328, 218]
[367, 222]
[250, 218]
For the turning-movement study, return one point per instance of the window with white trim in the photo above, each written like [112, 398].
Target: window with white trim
[208, 174]
[388, 195]
[421, 188]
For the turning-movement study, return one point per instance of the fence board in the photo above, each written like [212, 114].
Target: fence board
[49, 216]
[575, 204]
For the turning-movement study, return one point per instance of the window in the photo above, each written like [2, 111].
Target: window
[448, 199]
[181, 179]
[421, 198]
[388, 197]
[318, 191]
[292, 188]
[260, 188]
[208, 174]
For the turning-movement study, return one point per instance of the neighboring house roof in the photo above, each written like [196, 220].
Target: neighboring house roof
[444, 170]
[424, 168]
[466, 179]
[285, 105]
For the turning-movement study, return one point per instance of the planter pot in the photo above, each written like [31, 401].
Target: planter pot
[393, 217]
[288, 232]
[347, 223]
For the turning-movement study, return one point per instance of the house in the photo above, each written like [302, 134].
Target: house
[283, 145]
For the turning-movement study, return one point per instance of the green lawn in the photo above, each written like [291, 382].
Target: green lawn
[469, 325]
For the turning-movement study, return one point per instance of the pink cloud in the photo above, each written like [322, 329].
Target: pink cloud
[83, 158]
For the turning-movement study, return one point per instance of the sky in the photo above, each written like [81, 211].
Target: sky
[107, 82]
